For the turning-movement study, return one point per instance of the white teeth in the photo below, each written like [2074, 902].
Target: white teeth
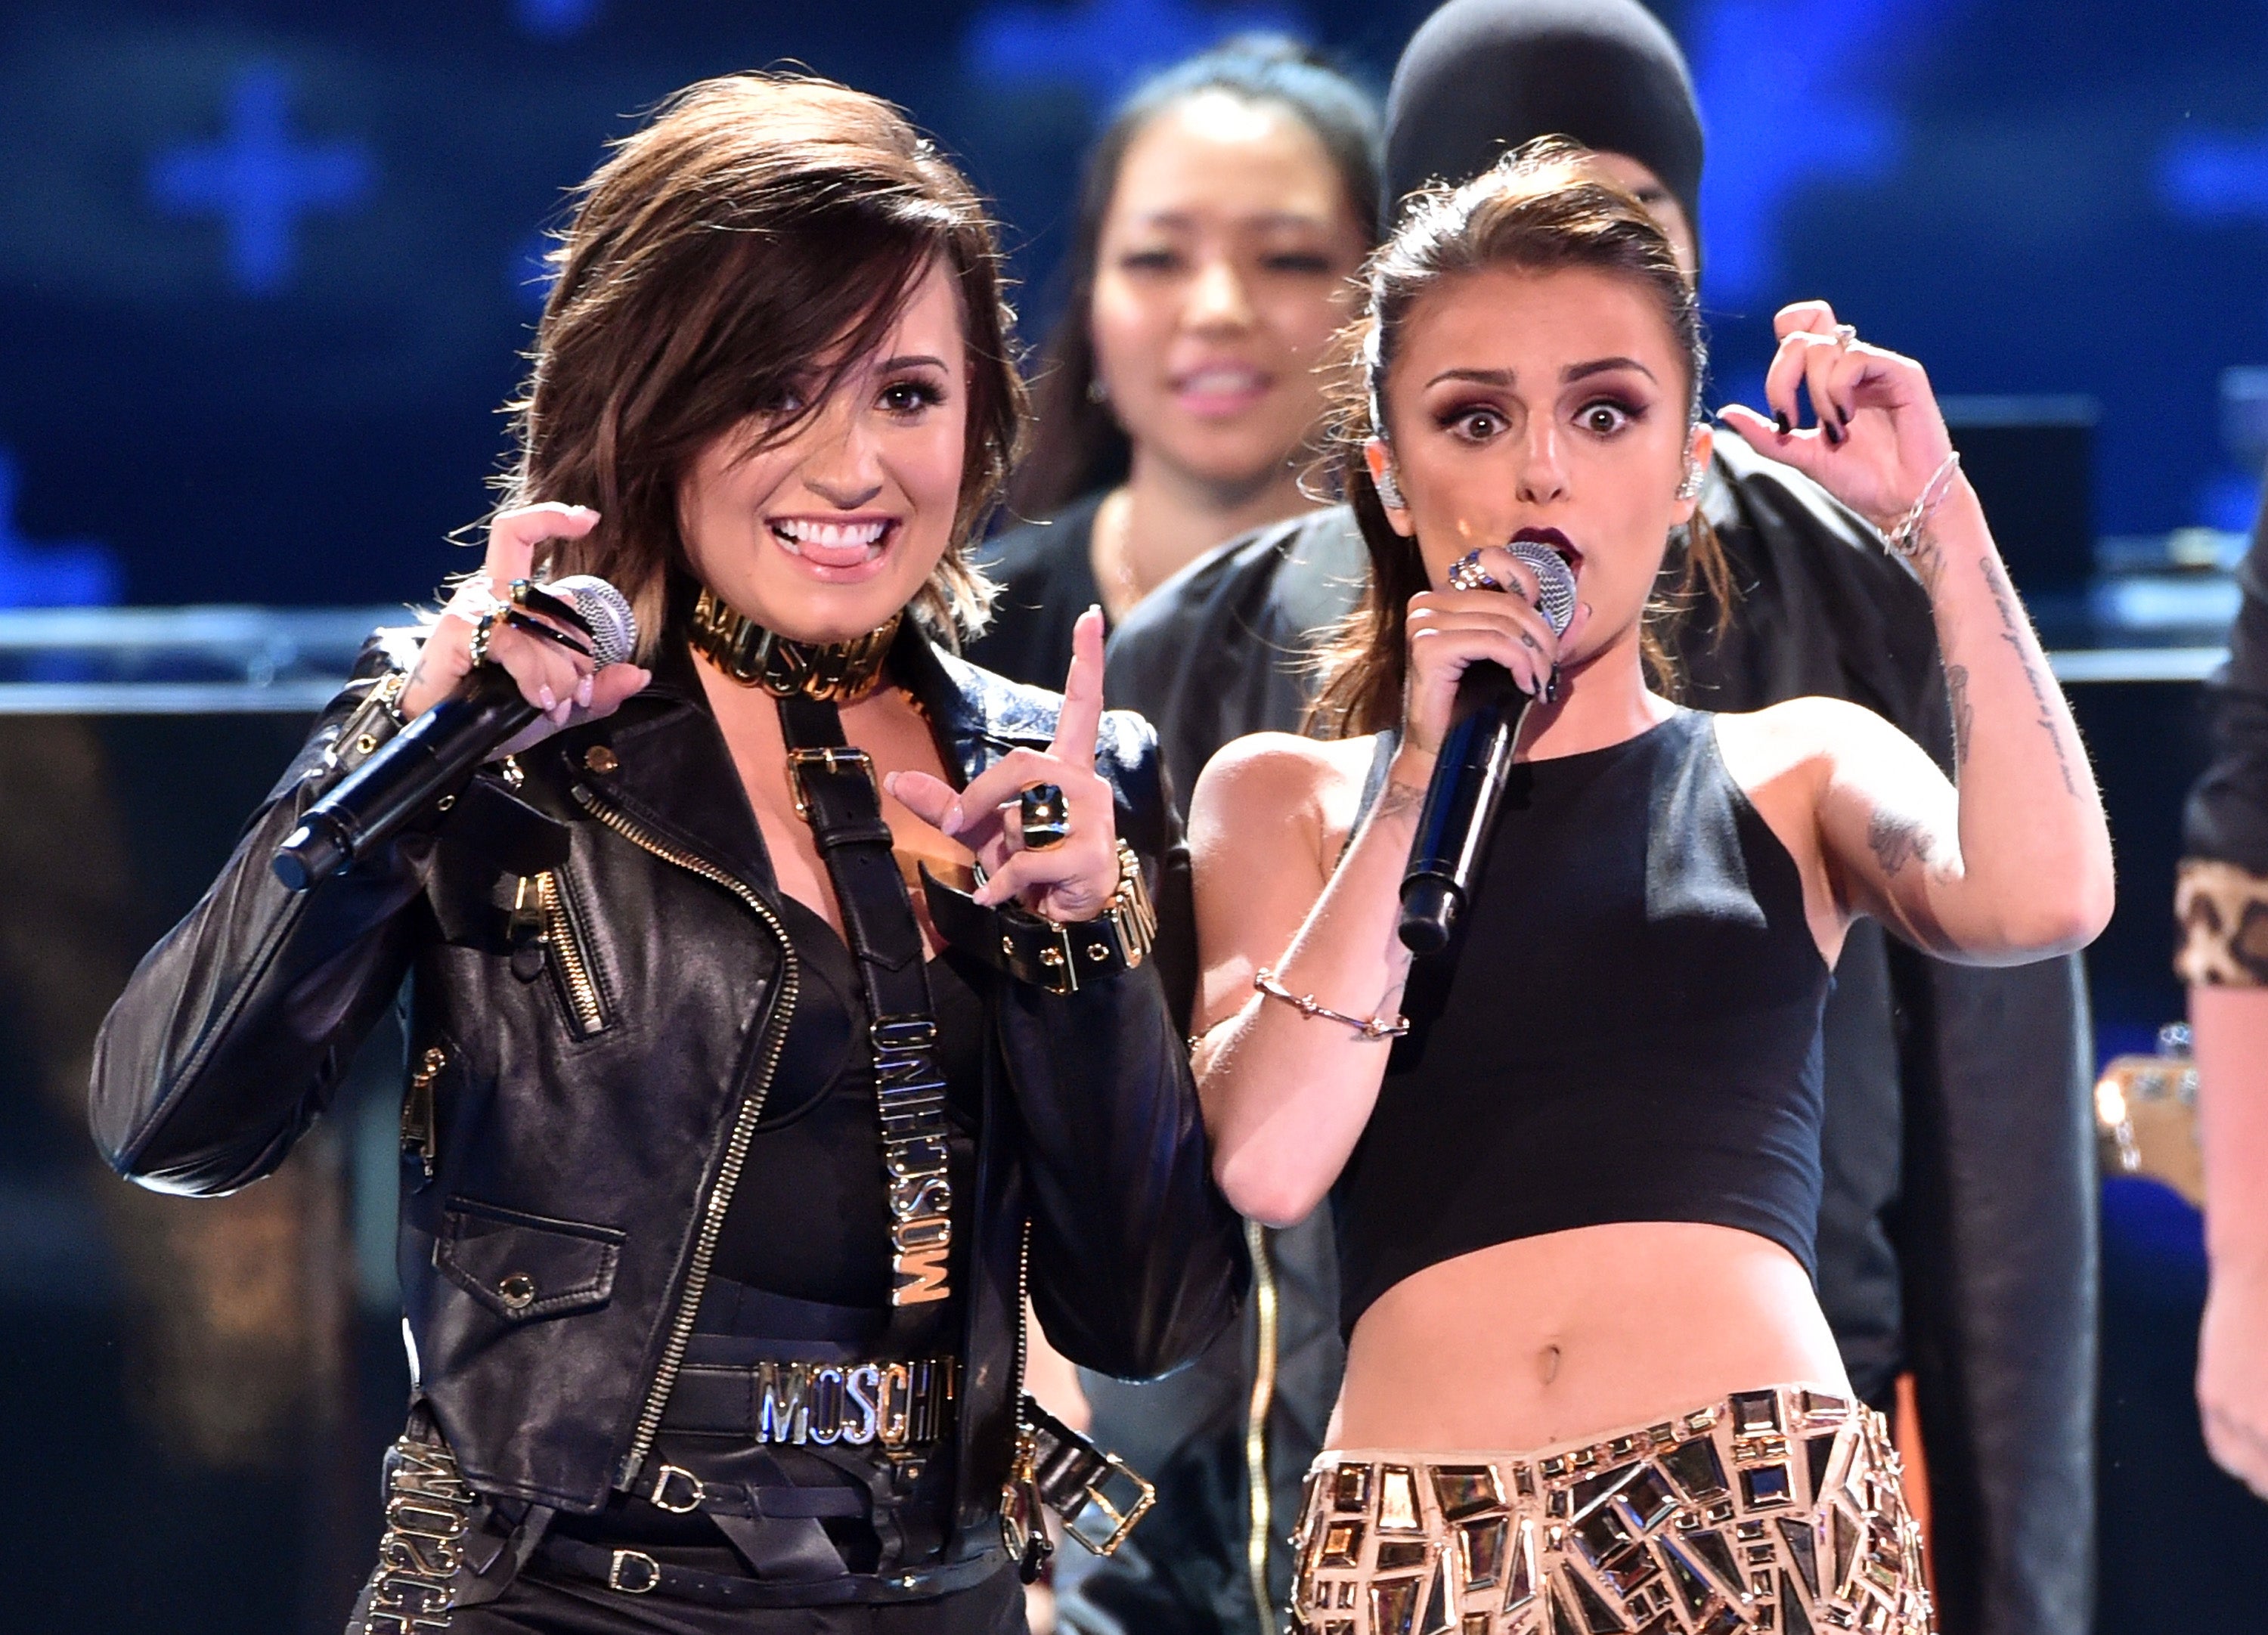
[795, 531]
[1222, 380]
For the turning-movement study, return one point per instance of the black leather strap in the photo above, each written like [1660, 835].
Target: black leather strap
[1059, 957]
[835, 788]
[633, 1571]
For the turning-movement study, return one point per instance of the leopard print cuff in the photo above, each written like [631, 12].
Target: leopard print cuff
[2220, 918]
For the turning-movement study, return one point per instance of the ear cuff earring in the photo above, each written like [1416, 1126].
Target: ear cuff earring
[1691, 488]
[1389, 490]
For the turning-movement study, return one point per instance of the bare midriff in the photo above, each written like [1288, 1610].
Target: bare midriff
[1549, 1340]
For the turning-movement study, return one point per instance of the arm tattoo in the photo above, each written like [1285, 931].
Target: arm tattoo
[2012, 631]
[1896, 841]
[1396, 798]
[1956, 686]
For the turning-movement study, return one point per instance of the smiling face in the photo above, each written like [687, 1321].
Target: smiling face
[822, 536]
[1220, 276]
[1549, 406]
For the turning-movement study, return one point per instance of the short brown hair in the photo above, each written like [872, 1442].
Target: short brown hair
[1540, 209]
[757, 224]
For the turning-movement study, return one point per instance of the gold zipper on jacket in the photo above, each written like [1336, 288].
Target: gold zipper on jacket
[744, 1125]
[417, 1115]
[1255, 1423]
[574, 968]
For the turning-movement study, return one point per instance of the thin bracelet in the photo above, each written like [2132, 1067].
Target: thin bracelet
[1906, 535]
[1369, 1027]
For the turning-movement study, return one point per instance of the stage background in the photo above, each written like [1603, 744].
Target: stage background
[266, 271]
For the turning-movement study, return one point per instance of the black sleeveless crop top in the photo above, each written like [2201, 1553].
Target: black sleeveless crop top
[1630, 1031]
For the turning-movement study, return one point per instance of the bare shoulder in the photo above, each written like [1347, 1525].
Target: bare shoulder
[1275, 776]
[1766, 746]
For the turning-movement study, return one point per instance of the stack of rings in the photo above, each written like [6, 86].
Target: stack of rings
[1466, 574]
[1043, 815]
[524, 594]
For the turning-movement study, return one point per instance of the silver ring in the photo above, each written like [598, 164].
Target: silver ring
[1844, 334]
[1466, 574]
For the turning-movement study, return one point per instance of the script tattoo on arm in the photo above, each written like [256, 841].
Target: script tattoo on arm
[2012, 631]
[1956, 686]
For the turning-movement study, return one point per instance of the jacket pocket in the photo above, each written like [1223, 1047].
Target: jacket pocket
[526, 1267]
[548, 931]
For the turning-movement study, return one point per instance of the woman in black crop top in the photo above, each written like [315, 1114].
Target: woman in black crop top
[1588, 1384]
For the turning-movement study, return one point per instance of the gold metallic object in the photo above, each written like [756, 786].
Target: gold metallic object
[1043, 816]
[838, 758]
[834, 672]
[1775, 1510]
[600, 759]
[719, 1197]
[2146, 1119]
[417, 1115]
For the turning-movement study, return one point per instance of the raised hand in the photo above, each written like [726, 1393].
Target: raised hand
[1074, 879]
[562, 683]
[1880, 436]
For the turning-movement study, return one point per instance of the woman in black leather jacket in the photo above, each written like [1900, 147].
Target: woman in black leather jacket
[726, 1156]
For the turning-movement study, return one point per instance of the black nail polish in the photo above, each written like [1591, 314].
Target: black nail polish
[1843, 415]
[1781, 421]
[1834, 433]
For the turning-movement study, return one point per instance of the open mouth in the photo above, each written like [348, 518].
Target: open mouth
[1220, 387]
[1556, 543]
[833, 544]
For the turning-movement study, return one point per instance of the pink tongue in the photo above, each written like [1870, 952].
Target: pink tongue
[834, 555]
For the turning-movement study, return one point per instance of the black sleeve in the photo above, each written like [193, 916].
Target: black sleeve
[2227, 817]
[1137, 1259]
[235, 1030]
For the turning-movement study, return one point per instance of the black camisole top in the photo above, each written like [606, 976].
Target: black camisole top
[1630, 1030]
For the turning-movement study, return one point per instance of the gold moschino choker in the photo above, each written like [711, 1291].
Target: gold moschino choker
[838, 673]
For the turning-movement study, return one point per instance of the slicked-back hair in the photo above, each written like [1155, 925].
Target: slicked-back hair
[1540, 209]
[758, 228]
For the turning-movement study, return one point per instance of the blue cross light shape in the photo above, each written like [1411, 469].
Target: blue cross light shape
[257, 181]
[1104, 45]
[75, 574]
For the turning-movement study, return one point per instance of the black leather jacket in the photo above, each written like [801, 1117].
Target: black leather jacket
[588, 1131]
[1957, 1228]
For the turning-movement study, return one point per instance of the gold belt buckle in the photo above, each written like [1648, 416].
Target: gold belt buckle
[1122, 1521]
[660, 1499]
[836, 758]
[647, 1567]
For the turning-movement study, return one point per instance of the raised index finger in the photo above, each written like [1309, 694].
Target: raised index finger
[1081, 722]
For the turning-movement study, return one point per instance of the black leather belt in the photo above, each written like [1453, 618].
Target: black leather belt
[635, 1572]
[856, 1404]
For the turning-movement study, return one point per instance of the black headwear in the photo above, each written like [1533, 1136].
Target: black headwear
[1482, 75]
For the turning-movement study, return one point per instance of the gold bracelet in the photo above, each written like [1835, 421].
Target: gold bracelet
[1369, 1027]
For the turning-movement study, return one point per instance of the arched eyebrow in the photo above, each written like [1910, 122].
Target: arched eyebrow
[1602, 366]
[911, 360]
[1572, 373]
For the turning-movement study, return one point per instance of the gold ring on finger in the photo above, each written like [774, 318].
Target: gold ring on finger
[1043, 816]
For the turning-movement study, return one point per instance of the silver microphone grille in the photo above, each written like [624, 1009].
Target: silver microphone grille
[613, 629]
[1555, 583]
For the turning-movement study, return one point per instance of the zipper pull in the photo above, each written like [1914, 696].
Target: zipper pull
[417, 1132]
[525, 929]
[1023, 1513]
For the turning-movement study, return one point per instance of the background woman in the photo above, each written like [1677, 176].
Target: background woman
[724, 1155]
[1222, 214]
[1576, 1206]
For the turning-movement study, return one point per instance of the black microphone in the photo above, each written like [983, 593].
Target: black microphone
[1469, 778]
[436, 752]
